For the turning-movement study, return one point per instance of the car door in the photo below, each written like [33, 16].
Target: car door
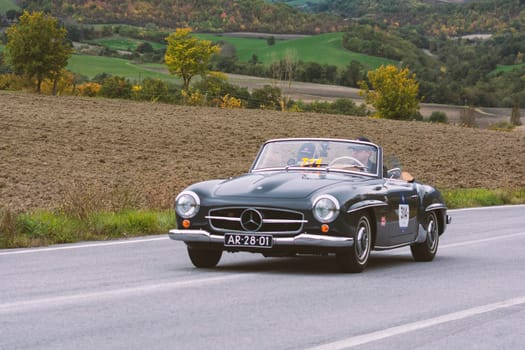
[403, 204]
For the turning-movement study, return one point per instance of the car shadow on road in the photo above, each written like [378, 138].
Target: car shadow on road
[310, 265]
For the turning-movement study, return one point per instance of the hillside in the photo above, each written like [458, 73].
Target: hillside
[202, 15]
[52, 146]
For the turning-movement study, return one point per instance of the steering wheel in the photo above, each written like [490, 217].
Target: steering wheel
[348, 158]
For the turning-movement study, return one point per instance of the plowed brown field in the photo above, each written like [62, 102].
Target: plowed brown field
[51, 145]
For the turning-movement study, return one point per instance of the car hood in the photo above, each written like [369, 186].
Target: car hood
[290, 184]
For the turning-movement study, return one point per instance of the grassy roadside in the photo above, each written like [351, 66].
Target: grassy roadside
[46, 227]
[480, 197]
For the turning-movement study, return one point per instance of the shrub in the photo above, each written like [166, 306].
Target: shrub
[88, 89]
[230, 102]
[268, 97]
[339, 106]
[438, 117]
[63, 85]
[215, 86]
[194, 98]
[15, 82]
[155, 90]
[7, 228]
[116, 87]
[502, 126]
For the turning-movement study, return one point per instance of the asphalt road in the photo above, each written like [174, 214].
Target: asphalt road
[145, 294]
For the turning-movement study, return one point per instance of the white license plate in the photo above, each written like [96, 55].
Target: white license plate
[248, 240]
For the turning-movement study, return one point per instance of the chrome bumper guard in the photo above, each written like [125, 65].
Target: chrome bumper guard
[303, 239]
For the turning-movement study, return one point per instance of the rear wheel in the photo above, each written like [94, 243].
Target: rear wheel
[203, 258]
[427, 250]
[355, 258]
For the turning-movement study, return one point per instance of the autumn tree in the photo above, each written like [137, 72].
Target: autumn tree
[393, 94]
[187, 56]
[37, 47]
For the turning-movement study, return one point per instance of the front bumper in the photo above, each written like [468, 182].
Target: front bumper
[303, 239]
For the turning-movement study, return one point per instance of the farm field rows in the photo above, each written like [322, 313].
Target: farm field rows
[49, 145]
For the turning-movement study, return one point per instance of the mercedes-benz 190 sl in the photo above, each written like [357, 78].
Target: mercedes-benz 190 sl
[311, 196]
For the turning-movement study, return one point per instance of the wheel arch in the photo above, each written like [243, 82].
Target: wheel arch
[368, 207]
[441, 213]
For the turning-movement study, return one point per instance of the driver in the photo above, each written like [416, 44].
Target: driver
[363, 154]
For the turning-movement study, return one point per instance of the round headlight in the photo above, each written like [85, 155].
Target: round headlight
[326, 208]
[187, 204]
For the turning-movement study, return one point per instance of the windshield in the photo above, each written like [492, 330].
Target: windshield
[317, 153]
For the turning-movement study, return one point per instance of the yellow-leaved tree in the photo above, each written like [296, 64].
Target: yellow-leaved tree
[393, 93]
[37, 47]
[187, 56]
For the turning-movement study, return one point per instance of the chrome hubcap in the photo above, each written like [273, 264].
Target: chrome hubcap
[363, 241]
[432, 232]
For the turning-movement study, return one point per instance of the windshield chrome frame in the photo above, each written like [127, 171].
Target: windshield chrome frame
[379, 150]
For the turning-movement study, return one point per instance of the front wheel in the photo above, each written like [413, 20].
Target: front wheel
[204, 258]
[427, 250]
[355, 259]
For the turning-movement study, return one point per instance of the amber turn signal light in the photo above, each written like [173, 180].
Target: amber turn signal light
[186, 223]
[325, 228]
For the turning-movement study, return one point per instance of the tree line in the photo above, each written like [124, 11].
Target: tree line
[37, 52]
[202, 15]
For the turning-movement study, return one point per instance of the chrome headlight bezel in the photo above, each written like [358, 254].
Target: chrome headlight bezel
[325, 208]
[187, 204]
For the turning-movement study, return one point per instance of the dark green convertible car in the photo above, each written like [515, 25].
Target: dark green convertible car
[311, 196]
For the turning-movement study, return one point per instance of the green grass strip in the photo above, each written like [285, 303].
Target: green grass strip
[45, 227]
[479, 197]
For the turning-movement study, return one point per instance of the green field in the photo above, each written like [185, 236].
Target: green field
[297, 3]
[323, 49]
[122, 43]
[508, 68]
[90, 66]
[6, 5]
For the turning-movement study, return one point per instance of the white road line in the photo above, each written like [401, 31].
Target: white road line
[410, 327]
[487, 208]
[482, 240]
[81, 245]
[25, 305]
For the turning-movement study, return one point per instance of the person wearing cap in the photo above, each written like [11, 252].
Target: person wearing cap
[363, 154]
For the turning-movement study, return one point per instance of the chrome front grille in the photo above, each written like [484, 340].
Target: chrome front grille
[252, 219]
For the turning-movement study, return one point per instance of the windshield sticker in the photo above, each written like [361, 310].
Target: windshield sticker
[311, 162]
[404, 210]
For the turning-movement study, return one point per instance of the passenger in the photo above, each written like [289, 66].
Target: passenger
[306, 152]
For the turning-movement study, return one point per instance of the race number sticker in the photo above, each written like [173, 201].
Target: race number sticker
[311, 162]
[404, 210]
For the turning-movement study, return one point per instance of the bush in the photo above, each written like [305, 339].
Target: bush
[502, 126]
[88, 89]
[267, 97]
[438, 117]
[116, 87]
[215, 86]
[15, 82]
[153, 90]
